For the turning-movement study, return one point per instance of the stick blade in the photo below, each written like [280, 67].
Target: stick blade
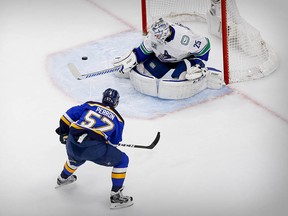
[152, 145]
[155, 142]
[75, 72]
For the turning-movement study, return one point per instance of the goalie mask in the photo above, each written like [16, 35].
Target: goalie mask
[110, 97]
[160, 30]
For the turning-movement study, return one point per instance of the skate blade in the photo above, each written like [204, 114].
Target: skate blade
[118, 205]
[62, 185]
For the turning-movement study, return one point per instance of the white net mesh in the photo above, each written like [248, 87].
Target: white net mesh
[249, 57]
[177, 11]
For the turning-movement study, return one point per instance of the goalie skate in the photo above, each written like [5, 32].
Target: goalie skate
[118, 200]
[62, 182]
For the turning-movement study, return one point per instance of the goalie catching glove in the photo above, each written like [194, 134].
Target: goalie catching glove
[128, 61]
[194, 72]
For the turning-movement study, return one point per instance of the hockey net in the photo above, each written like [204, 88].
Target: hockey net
[246, 56]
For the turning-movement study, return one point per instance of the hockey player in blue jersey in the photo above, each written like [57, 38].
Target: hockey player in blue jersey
[91, 132]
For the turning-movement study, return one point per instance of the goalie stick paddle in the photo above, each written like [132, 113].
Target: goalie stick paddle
[74, 70]
[151, 146]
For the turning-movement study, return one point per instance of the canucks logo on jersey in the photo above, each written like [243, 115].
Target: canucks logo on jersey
[185, 40]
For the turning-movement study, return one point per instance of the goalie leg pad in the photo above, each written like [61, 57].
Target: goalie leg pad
[180, 89]
[215, 79]
[145, 84]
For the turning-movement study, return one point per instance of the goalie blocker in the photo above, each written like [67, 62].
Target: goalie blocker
[175, 89]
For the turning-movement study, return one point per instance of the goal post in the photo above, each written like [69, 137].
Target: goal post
[225, 42]
[246, 56]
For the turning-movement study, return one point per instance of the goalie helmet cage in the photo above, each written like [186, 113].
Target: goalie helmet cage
[246, 56]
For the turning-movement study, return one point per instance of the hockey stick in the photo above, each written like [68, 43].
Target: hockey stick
[151, 146]
[74, 70]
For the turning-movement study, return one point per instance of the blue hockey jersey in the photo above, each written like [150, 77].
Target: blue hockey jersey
[95, 119]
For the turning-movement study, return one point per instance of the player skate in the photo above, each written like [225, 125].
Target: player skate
[118, 200]
[62, 182]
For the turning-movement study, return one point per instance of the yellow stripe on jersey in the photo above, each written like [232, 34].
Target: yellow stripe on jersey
[118, 175]
[64, 119]
[76, 126]
[99, 132]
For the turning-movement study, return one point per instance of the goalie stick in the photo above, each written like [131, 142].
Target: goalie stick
[76, 73]
[151, 146]
[74, 70]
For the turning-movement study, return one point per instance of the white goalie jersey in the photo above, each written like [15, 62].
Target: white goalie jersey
[174, 44]
[183, 44]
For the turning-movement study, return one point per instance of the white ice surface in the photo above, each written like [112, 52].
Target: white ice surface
[226, 156]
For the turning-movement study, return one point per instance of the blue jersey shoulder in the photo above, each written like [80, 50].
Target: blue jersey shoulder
[98, 118]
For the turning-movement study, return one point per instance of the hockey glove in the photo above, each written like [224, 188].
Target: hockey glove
[128, 61]
[194, 72]
[62, 137]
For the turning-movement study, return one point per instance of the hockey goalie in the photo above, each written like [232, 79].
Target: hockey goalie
[170, 63]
